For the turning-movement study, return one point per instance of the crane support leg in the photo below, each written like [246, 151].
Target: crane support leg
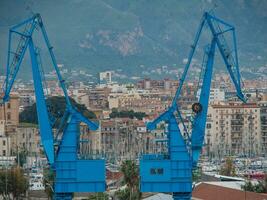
[74, 174]
[199, 123]
[42, 113]
[172, 172]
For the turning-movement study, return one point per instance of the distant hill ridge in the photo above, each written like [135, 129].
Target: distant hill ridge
[119, 34]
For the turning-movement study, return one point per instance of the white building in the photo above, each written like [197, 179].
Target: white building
[105, 77]
[216, 95]
[4, 141]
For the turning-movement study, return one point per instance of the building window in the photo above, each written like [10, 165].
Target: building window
[8, 105]
[8, 116]
[4, 143]
[4, 152]
[156, 171]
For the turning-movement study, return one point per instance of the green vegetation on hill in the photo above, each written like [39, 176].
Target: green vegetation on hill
[125, 113]
[56, 106]
[111, 34]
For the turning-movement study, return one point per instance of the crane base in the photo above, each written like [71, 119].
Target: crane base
[80, 176]
[159, 174]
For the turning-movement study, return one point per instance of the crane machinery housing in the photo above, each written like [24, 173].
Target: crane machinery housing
[172, 171]
[73, 173]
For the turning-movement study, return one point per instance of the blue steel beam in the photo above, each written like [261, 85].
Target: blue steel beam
[42, 113]
[50, 49]
[199, 122]
[10, 80]
[91, 125]
[235, 79]
[191, 54]
[163, 117]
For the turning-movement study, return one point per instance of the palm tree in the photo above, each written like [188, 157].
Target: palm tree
[131, 179]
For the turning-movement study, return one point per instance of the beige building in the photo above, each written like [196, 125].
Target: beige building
[26, 138]
[263, 115]
[4, 140]
[233, 129]
[98, 98]
[149, 103]
[11, 110]
[122, 100]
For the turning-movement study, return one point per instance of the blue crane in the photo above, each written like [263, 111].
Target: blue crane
[72, 172]
[172, 172]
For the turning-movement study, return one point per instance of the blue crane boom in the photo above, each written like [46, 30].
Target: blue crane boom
[172, 172]
[73, 174]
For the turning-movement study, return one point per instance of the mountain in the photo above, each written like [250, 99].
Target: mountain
[101, 35]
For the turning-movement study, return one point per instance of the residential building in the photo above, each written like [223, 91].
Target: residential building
[263, 118]
[10, 112]
[26, 139]
[233, 129]
[4, 140]
[98, 98]
[105, 77]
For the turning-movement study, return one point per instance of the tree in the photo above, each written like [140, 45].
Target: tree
[197, 174]
[228, 168]
[131, 179]
[260, 187]
[49, 177]
[248, 186]
[13, 183]
[22, 157]
[123, 194]
[127, 113]
[5, 184]
[56, 106]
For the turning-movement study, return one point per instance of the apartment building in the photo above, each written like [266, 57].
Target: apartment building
[10, 112]
[98, 98]
[263, 116]
[4, 140]
[149, 84]
[26, 139]
[148, 103]
[233, 129]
